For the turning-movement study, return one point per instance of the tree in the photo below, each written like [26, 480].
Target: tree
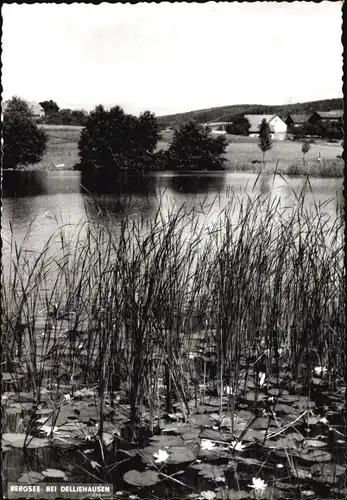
[305, 148]
[24, 142]
[193, 148]
[114, 141]
[265, 139]
[49, 107]
[240, 126]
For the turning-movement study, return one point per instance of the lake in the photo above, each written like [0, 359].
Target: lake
[35, 198]
[272, 291]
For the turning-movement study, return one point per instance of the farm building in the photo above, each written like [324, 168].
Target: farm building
[327, 117]
[296, 120]
[277, 125]
[36, 109]
[216, 127]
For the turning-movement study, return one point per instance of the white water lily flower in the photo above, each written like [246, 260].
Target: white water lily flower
[323, 420]
[237, 445]
[208, 495]
[279, 466]
[48, 429]
[161, 456]
[258, 484]
[220, 479]
[207, 445]
[320, 370]
[261, 379]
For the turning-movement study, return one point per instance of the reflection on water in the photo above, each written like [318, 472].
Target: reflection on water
[47, 199]
[191, 184]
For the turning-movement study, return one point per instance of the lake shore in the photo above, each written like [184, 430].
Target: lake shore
[243, 154]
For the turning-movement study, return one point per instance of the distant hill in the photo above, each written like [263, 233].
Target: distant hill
[226, 113]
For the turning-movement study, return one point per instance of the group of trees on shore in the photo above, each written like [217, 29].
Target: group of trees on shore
[113, 141]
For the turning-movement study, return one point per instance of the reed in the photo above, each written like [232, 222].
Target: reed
[122, 304]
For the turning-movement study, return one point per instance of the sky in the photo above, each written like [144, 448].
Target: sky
[171, 58]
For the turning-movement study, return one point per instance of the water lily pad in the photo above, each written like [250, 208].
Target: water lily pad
[301, 473]
[315, 456]
[44, 411]
[55, 473]
[290, 398]
[285, 442]
[15, 440]
[141, 479]
[211, 435]
[200, 419]
[283, 408]
[37, 443]
[208, 471]
[31, 477]
[263, 423]
[277, 392]
[163, 441]
[231, 494]
[181, 454]
[314, 443]
[328, 473]
[252, 395]
[252, 435]
[13, 410]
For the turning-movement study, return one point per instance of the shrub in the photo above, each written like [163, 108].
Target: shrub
[24, 142]
[193, 148]
[240, 126]
[115, 141]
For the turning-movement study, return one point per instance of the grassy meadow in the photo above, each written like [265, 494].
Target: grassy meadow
[209, 367]
[242, 154]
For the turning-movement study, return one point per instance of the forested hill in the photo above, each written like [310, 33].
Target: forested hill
[226, 113]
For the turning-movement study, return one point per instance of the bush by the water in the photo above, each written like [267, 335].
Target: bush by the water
[114, 141]
[193, 148]
[24, 142]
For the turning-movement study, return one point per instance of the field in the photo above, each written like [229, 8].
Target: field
[242, 154]
[61, 149]
[208, 367]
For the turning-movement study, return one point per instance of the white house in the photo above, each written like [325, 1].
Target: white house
[277, 125]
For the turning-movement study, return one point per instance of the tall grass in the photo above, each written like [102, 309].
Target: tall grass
[128, 299]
